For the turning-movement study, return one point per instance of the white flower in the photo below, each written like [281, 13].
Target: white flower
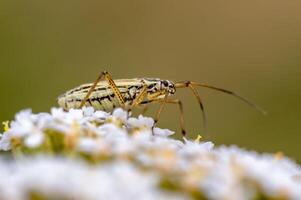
[120, 114]
[132, 158]
[111, 131]
[66, 179]
[88, 111]
[34, 140]
[163, 132]
[5, 144]
[88, 145]
[70, 117]
[141, 122]
[25, 125]
[196, 147]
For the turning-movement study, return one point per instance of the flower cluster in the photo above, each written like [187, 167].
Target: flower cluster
[88, 154]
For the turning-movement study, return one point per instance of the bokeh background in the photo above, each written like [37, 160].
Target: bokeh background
[252, 47]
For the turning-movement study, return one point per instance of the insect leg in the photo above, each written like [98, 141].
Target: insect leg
[196, 94]
[176, 101]
[160, 110]
[144, 109]
[104, 75]
[184, 84]
[139, 98]
[100, 77]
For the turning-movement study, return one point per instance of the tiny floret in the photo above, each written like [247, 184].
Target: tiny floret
[5, 125]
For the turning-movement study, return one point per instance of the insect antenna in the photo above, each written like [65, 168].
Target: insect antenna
[184, 84]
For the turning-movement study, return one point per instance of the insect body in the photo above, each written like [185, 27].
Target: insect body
[107, 94]
[103, 96]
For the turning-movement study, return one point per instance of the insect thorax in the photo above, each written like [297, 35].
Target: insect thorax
[158, 88]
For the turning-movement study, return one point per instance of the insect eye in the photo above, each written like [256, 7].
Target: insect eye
[165, 83]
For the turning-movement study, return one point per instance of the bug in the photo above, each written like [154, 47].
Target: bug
[107, 94]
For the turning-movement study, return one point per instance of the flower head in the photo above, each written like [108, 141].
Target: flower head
[128, 158]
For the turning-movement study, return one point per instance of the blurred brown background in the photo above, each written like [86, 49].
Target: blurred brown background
[252, 47]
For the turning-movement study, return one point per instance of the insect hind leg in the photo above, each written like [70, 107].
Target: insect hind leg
[106, 76]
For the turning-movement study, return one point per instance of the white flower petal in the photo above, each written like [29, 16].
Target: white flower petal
[145, 122]
[88, 111]
[5, 142]
[34, 140]
[163, 132]
[120, 113]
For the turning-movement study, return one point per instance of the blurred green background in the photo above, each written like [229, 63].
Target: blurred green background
[252, 47]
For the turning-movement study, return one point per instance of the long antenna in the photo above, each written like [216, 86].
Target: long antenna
[183, 84]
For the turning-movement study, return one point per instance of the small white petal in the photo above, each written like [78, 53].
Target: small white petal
[76, 114]
[163, 132]
[34, 140]
[57, 112]
[142, 121]
[111, 131]
[101, 114]
[88, 111]
[5, 142]
[88, 145]
[121, 114]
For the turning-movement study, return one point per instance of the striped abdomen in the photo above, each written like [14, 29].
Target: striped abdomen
[102, 98]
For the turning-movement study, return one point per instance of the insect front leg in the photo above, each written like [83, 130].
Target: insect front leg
[190, 85]
[159, 110]
[144, 109]
[172, 101]
[106, 76]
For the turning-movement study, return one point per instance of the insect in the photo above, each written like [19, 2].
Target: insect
[107, 94]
